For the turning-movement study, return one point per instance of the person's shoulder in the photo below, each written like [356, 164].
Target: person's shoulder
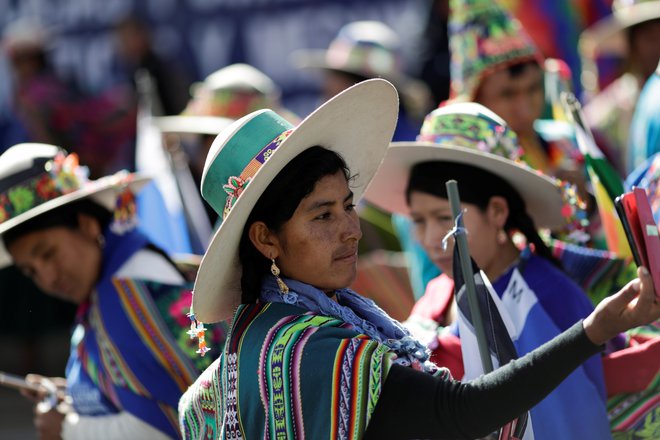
[278, 323]
[149, 265]
[621, 93]
[542, 271]
[436, 300]
[555, 288]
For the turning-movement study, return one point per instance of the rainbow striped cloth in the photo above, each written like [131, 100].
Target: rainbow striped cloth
[287, 373]
[636, 416]
[134, 347]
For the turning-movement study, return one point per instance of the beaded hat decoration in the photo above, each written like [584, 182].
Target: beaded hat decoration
[483, 38]
[470, 134]
[59, 176]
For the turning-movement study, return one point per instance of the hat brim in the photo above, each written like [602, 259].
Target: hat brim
[542, 197]
[606, 36]
[316, 59]
[103, 191]
[358, 124]
[192, 124]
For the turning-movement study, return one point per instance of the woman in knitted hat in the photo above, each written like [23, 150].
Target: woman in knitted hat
[495, 62]
[306, 356]
[130, 358]
[472, 145]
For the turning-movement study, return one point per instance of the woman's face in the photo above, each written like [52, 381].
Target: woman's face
[61, 261]
[432, 219]
[319, 244]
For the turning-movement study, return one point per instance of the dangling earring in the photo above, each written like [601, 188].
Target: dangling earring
[284, 289]
[100, 240]
[502, 237]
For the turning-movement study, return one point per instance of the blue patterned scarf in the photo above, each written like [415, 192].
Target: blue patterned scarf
[361, 313]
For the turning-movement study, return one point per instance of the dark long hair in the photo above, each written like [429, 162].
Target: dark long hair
[277, 205]
[476, 187]
[65, 215]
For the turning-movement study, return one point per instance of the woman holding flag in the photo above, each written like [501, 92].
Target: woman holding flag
[329, 363]
[472, 145]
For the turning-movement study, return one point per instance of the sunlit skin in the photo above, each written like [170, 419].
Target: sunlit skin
[432, 219]
[61, 261]
[318, 245]
[519, 99]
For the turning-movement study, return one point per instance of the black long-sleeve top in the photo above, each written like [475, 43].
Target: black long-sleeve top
[417, 405]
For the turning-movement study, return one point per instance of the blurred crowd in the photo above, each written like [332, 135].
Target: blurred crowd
[576, 83]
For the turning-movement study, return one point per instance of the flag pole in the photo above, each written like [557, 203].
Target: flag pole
[468, 275]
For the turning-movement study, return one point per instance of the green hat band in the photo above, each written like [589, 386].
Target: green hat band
[241, 157]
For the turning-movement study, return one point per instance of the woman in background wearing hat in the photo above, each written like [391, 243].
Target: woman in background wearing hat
[130, 359]
[363, 50]
[472, 145]
[225, 95]
[306, 356]
[631, 33]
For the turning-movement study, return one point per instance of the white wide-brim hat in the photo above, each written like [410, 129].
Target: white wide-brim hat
[211, 125]
[607, 36]
[541, 195]
[470, 134]
[26, 159]
[358, 124]
[368, 49]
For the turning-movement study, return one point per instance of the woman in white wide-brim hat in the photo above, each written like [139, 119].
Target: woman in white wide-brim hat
[468, 143]
[76, 239]
[306, 356]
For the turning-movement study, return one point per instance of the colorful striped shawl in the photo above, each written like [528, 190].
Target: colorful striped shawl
[316, 378]
[128, 351]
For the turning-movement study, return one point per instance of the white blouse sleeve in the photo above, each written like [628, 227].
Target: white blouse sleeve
[121, 426]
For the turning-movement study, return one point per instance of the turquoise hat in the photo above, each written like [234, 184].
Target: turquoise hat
[244, 159]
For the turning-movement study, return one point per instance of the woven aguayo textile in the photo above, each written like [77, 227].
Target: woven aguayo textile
[635, 415]
[129, 348]
[287, 373]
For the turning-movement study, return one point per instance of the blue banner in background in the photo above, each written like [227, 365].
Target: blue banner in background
[205, 35]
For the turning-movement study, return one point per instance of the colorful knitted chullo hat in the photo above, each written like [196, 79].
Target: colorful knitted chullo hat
[483, 38]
